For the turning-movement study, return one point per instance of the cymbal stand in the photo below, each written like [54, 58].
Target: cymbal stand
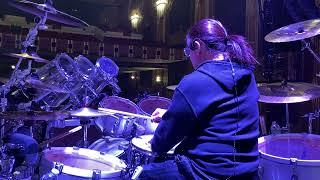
[85, 123]
[3, 105]
[306, 45]
[287, 127]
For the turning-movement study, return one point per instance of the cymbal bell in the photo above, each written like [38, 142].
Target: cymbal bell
[292, 92]
[88, 112]
[34, 57]
[52, 13]
[294, 32]
[45, 87]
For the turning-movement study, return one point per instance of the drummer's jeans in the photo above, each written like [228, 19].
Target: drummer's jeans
[29, 153]
[179, 169]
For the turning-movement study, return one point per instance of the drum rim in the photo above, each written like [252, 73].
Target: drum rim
[152, 97]
[84, 75]
[283, 160]
[61, 70]
[123, 100]
[98, 66]
[87, 173]
[170, 152]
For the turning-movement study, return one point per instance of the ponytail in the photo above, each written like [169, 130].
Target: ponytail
[240, 50]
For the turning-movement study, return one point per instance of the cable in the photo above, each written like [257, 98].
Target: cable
[237, 120]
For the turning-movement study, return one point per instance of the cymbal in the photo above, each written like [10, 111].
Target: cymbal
[52, 13]
[293, 92]
[294, 32]
[172, 87]
[34, 57]
[40, 85]
[34, 115]
[88, 112]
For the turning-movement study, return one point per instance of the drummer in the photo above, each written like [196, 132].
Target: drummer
[214, 111]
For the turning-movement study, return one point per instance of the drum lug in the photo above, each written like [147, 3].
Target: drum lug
[75, 148]
[58, 166]
[293, 163]
[96, 174]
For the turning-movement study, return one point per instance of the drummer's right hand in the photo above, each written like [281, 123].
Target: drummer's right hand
[157, 115]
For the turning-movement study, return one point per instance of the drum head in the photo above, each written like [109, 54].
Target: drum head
[113, 146]
[66, 66]
[81, 162]
[300, 146]
[118, 103]
[150, 104]
[85, 67]
[107, 67]
[142, 143]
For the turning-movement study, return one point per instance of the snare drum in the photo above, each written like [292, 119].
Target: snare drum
[148, 106]
[289, 156]
[117, 126]
[79, 163]
[141, 152]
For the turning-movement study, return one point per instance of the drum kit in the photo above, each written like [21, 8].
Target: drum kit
[68, 87]
[291, 155]
[70, 91]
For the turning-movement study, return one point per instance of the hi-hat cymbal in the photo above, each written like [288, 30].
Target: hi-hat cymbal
[88, 112]
[289, 93]
[34, 115]
[294, 32]
[52, 13]
[45, 87]
[34, 57]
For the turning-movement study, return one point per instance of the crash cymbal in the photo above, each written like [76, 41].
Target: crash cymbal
[34, 83]
[34, 115]
[294, 32]
[88, 112]
[52, 13]
[288, 93]
[34, 57]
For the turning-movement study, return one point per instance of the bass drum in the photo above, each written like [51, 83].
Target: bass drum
[289, 156]
[117, 126]
[148, 105]
[79, 163]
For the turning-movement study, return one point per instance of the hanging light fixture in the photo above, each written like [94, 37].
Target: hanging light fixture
[161, 7]
[135, 18]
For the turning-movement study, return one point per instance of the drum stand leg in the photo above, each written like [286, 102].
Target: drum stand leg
[287, 128]
[85, 124]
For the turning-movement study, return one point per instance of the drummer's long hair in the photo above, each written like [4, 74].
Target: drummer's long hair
[215, 36]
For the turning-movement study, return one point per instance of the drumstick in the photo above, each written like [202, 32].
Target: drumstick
[60, 136]
[124, 113]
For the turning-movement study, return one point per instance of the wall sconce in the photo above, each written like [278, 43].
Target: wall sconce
[158, 79]
[161, 7]
[135, 18]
